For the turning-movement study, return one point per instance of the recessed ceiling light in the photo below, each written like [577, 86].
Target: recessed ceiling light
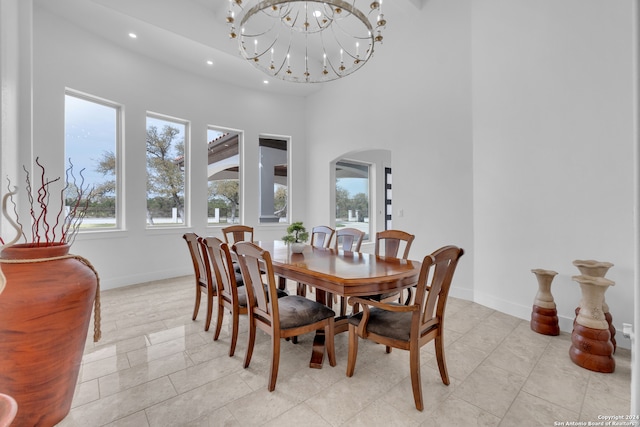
[209, 62]
[133, 35]
[265, 82]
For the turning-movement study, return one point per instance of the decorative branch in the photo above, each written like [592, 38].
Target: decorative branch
[43, 231]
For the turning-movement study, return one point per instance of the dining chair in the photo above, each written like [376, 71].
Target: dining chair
[204, 279]
[321, 236]
[237, 233]
[409, 327]
[388, 244]
[231, 292]
[285, 317]
[349, 239]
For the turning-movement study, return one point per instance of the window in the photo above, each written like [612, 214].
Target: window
[352, 196]
[92, 141]
[274, 197]
[223, 175]
[166, 164]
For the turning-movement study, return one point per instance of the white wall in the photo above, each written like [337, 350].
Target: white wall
[412, 98]
[553, 127]
[65, 56]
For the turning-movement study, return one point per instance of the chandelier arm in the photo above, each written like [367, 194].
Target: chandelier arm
[345, 50]
[329, 61]
[284, 60]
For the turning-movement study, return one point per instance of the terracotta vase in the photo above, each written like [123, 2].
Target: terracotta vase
[45, 311]
[590, 267]
[591, 346]
[544, 315]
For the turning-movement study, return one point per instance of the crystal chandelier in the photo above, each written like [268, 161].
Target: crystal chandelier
[307, 41]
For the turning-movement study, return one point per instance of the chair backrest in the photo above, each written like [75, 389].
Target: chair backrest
[391, 240]
[321, 236]
[237, 233]
[206, 265]
[433, 286]
[195, 250]
[349, 238]
[224, 272]
[262, 300]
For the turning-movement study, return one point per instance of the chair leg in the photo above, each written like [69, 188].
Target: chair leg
[329, 342]
[219, 319]
[209, 312]
[250, 343]
[275, 362]
[442, 363]
[388, 349]
[414, 366]
[197, 306]
[235, 319]
[353, 350]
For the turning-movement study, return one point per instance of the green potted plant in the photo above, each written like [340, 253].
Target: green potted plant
[296, 237]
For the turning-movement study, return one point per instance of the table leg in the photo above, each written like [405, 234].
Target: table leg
[317, 354]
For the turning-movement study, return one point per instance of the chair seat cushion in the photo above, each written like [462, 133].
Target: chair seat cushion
[390, 324]
[242, 296]
[239, 281]
[299, 311]
[281, 293]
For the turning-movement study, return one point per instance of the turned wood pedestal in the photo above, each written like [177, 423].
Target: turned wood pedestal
[591, 346]
[594, 268]
[544, 316]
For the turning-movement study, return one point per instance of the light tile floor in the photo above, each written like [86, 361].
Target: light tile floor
[156, 367]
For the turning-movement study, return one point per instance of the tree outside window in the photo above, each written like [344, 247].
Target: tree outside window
[352, 195]
[165, 171]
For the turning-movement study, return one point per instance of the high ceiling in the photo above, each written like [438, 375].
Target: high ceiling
[184, 34]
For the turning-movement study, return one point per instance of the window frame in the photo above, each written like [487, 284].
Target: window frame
[187, 171]
[242, 205]
[287, 140]
[119, 217]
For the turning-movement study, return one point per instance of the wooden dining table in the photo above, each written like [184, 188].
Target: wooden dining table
[343, 273]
